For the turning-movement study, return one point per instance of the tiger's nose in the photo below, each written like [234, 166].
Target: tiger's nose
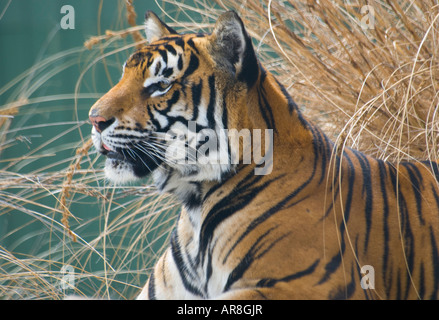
[100, 123]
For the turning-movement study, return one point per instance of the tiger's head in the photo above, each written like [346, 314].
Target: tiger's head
[176, 94]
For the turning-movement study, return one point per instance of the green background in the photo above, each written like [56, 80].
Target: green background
[50, 131]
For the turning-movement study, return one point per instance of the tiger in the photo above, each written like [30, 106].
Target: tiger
[276, 211]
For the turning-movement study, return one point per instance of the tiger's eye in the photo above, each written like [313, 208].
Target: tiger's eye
[157, 88]
[163, 85]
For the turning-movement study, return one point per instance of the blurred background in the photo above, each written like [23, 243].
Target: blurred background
[365, 71]
[48, 81]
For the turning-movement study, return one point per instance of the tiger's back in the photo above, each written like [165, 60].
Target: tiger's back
[298, 221]
[361, 230]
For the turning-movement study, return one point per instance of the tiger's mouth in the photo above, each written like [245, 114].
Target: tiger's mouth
[128, 161]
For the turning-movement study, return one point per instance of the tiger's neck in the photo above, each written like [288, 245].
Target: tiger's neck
[268, 107]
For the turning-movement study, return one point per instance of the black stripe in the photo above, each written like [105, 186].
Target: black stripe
[409, 244]
[155, 123]
[386, 276]
[252, 254]
[172, 120]
[177, 255]
[322, 149]
[292, 106]
[137, 58]
[196, 91]
[241, 196]
[192, 200]
[164, 55]
[334, 183]
[193, 65]
[180, 62]
[333, 264]
[264, 106]
[435, 265]
[270, 282]
[151, 288]
[335, 261]
[263, 217]
[167, 72]
[158, 66]
[344, 292]
[225, 119]
[125, 137]
[165, 183]
[209, 269]
[215, 187]
[435, 194]
[250, 64]
[191, 44]
[367, 191]
[408, 238]
[351, 181]
[171, 49]
[170, 103]
[273, 210]
[229, 147]
[169, 38]
[267, 113]
[434, 166]
[190, 265]
[179, 42]
[149, 61]
[416, 180]
[212, 101]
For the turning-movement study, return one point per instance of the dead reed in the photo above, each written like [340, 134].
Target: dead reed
[366, 71]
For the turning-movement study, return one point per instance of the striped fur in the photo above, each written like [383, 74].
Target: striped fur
[303, 231]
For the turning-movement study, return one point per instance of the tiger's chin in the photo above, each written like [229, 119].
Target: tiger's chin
[122, 171]
[119, 172]
[167, 176]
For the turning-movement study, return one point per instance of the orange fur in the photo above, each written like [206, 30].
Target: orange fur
[305, 230]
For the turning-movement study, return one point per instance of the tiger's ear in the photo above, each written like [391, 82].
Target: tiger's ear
[156, 28]
[232, 47]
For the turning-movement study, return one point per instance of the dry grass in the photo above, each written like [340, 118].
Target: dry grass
[72, 223]
[371, 89]
[373, 84]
